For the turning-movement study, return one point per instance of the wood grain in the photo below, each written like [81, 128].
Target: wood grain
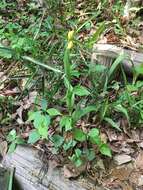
[30, 174]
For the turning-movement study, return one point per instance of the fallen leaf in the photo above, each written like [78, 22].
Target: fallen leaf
[126, 186]
[3, 148]
[139, 161]
[112, 135]
[121, 173]
[71, 171]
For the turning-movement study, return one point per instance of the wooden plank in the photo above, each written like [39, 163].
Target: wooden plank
[106, 53]
[30, 175]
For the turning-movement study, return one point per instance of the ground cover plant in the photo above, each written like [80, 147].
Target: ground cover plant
[51, 92]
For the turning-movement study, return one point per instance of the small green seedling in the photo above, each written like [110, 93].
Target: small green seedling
[14, 140]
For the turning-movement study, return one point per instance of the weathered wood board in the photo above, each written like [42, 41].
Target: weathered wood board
[106, 53]
[29, 173]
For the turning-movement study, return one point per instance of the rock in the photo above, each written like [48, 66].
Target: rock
[140, 181]
[122, 159]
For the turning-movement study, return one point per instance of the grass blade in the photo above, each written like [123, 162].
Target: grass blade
[96, 35]
[27, 58]
[115, 64]
[112, 123]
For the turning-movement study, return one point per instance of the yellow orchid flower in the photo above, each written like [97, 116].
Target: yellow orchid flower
[70, 35]
[70, 45]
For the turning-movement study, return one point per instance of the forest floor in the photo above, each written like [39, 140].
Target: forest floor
[29, 29]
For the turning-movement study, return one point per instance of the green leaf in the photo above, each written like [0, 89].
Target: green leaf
[77, 152]
[32, 115]
[76, 160]
[93, 39]
[11, 136]
[79, 135]
[47, 120]
[104, 109]
[139, 69]
[44, 104]
[5, 53]
[93, 133]
[43, 131]
[131, 88]
[112, 123]
[53, 112]
[123, 110]
[68, 145]
[88, 26]
[57, 140]
[41, 121]
[19, 140]
[80, 91]
[115, 64]
[66, 121]
[90, 154]
[34, 136]
[94, 136]
[12, 147]
[97, 68]
[105, 150]
[78, 113]
[36, 62]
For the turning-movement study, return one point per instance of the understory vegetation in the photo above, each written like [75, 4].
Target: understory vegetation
[51, 93]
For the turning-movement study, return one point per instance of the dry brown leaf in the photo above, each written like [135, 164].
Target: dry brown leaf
[134, 177]
[112, 135]
[126, 186]
[3, 148]
[71, 171]
[29, 100]
[112, 37]
[121, 173]
[139, 161]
